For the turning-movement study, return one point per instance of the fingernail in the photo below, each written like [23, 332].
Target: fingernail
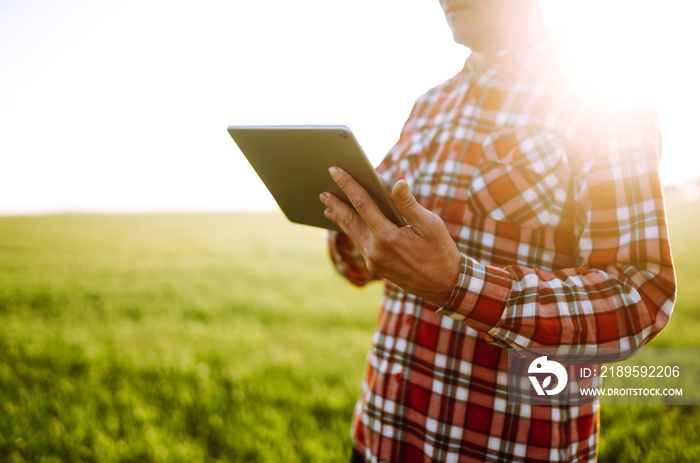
[403, 189]
[335, 172]
[324, 197]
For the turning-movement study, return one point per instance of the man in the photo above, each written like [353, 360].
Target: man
[536, 220]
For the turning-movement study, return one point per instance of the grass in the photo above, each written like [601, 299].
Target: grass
[151, 338]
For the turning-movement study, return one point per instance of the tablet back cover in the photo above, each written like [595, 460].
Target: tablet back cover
[293, 162]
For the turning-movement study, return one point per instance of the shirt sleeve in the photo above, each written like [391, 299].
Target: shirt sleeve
[622, 294]
[347, 260]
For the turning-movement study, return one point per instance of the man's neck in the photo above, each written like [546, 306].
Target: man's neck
[525, 24]
[510, 39]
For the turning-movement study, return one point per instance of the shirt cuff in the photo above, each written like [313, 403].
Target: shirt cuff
[480, 295]
[347, 260]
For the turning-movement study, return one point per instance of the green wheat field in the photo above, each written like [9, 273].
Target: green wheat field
[224, 337]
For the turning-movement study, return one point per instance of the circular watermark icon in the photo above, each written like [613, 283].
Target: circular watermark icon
[540, 367]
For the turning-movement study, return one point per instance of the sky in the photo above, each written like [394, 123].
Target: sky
[122, 106]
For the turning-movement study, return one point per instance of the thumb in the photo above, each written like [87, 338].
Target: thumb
[407, 204]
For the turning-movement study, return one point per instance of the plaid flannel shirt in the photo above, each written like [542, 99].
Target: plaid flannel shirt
[552, 195]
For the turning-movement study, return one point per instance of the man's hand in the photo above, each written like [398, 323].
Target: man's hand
[421, 258]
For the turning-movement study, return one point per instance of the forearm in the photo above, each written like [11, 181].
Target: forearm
[577, 311]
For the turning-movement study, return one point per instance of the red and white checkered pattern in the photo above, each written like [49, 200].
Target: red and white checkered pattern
[552, 195]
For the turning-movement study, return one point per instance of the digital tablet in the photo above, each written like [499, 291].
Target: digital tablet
[293, 163]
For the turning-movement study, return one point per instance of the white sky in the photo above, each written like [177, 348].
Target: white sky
[123, 105]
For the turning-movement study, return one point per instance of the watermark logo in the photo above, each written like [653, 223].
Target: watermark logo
[649, 376]
[541, 366]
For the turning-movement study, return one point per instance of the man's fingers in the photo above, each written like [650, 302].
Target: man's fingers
[408, 206]
[345, 217]
[361, 201]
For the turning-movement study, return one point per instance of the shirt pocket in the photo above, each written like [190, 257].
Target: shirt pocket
[522, 179]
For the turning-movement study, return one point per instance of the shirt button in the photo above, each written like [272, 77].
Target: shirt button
[398, 376]
[409, 320]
